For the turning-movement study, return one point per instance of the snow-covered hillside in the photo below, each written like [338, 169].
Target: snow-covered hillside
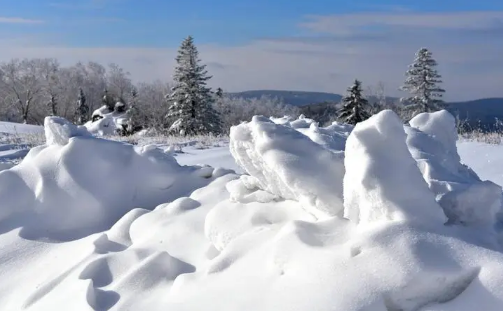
[379, 217]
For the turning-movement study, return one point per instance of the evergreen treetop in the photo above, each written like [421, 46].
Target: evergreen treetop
[421, 82]
[191, 109]
[354, 108]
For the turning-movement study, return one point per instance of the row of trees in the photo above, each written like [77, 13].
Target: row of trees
[32, 89]
[422, 82]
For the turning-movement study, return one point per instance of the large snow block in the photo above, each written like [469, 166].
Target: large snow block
[464, 197]
[441, 125]
[382, 180]
[290, 165]
[58, 131]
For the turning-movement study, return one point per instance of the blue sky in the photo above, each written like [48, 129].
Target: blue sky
[289, 44]
[156, 23]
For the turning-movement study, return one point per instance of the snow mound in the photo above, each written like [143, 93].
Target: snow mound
[77, 184]
[384, 185]
[58, 131]
[463, 196]
[441, 125]
[106, 123]
[276, 156]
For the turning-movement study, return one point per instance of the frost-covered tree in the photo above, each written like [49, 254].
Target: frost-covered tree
[135, 122]
[422, 83]
[354, 105]
[108, 101]
[82, 112]
[191, 109]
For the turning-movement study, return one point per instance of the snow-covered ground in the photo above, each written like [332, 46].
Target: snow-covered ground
[379, 218]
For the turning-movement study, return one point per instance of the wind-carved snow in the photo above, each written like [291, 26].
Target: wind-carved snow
[380, 184]
[276, 156]
[115, 227]
[463, 196]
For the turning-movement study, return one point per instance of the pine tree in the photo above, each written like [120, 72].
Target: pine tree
[421, 82]
[82, 109]
[191, 102]
[219, 93]
[354, 109]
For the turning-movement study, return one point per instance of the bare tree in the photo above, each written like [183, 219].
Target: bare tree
[51, 83]
[118, 81]
[21, 85]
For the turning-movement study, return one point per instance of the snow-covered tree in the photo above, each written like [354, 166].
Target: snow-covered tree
[82, 112]
[354, 105]
[219, 93]
[22, 86]
[422, 83]
[191, 109]
[108, 101]
[135, 122]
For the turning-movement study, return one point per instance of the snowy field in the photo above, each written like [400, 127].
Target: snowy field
[285, 216]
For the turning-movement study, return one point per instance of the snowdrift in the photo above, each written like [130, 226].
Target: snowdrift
[77, 184]
[277, 156]
[391, 221]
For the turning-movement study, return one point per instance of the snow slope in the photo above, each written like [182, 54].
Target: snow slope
[90, 224]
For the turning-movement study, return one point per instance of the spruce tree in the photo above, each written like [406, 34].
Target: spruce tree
[422, 82]
[82, 108]
[134, 123]
[191, 109]
[354, 108]
[219, 93]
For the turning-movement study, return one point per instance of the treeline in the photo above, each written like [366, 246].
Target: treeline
[31, 89]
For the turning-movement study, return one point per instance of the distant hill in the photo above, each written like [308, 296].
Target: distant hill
[294, 98]
[480, 112]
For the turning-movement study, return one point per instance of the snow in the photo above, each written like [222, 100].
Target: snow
[109, 122]
[91, 224]
[217, 157]
[63, 197]
[18, 128]
[58, 131]
[373, 191]
[484, 159]
[275, 155]
[15, 141]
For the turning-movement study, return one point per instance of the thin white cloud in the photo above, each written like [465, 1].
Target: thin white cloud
[19, 20]
[349, 23]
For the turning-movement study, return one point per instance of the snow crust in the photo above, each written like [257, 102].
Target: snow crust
[392, 221]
